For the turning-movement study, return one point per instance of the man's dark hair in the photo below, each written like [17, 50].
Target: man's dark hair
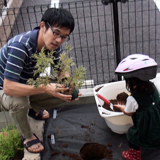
[58, 17]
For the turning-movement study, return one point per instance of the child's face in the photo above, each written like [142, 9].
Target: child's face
[130, 84]
[127, 86]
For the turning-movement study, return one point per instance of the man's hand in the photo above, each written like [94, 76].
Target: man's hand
[79, 94]
[57, 90]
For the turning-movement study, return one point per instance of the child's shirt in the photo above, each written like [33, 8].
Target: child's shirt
[131, 105]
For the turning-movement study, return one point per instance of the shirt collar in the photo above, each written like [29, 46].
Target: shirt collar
[33, 38]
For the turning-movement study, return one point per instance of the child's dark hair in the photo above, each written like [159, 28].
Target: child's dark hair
[135, 84]
[58, 17]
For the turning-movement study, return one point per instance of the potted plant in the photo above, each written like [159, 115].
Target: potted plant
[65, 65]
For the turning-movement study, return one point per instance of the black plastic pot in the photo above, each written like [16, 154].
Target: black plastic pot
[75, 93]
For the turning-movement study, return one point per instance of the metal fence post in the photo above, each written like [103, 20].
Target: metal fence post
[116, 27]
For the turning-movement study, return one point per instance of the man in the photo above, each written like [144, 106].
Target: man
[17, 65]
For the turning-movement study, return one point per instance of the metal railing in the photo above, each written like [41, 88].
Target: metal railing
[105, 32]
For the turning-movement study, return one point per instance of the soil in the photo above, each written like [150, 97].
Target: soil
[95, 151]
[18, 156]
[72, 156]
[121, 98]
[89, 151]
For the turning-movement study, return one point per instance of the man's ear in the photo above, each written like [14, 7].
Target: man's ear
[42, 26]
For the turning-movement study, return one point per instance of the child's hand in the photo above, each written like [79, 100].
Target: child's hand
[120, 106]
[120, 103]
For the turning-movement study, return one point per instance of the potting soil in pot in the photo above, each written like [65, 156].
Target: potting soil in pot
[121, 98]
[80, 131]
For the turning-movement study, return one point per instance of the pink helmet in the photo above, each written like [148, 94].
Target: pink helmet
[137, 65]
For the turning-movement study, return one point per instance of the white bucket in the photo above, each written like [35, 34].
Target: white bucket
[116, 121]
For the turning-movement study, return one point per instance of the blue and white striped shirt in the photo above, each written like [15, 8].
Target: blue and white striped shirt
[16, 62]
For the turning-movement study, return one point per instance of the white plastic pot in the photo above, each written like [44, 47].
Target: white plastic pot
[116, 121]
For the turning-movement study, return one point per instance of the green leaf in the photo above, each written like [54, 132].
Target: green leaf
[65, 65]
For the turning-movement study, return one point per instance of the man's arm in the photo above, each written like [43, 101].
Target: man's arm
[16, 89]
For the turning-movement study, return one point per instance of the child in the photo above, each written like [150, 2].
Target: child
[143, 105]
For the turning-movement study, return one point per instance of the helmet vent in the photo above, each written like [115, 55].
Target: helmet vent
[145, 59]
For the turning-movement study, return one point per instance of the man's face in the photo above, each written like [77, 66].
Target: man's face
[53, 37]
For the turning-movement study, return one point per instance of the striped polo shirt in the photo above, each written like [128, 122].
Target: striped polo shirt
[16, 62]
